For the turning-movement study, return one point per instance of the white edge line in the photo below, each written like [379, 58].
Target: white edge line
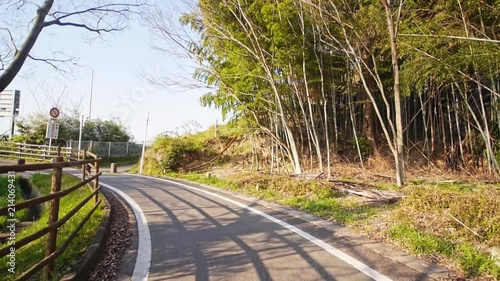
[322, 244]
[143, 260]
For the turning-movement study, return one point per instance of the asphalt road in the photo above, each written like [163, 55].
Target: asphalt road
[197, 234]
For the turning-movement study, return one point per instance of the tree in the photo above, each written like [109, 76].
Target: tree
[97, 17]
[419, 75]
[32, 130]
[399, 144]
[105, 130]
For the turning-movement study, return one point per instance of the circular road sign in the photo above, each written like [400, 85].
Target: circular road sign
[54, 112]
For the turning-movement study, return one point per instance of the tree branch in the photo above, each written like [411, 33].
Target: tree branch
[11, 38]
[82, 25]
[102, 8]
[51, 62]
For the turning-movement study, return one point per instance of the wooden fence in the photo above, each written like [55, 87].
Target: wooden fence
[33, 152]
[89, 176]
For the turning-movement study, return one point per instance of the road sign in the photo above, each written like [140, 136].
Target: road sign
[9, 103]
[52, 130]
[54, 112]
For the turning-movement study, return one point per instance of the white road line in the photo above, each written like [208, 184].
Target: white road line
[143, 261]
[325, 246]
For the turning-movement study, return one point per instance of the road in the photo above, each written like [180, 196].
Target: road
[199, 234]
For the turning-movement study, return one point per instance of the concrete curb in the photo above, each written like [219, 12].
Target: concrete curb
[389, 251]
[82, 269]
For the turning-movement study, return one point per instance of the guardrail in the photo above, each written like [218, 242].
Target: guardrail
[90, 174]
[33, 152]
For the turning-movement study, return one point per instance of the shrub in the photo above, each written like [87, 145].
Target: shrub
[364, 146]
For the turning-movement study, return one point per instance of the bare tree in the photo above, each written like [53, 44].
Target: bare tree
[94, 16]
[399, 155]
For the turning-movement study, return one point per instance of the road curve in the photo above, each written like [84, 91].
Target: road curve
[199, 234]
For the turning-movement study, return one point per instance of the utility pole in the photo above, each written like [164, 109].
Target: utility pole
[80, 136]
[91, 91]
[144, 145]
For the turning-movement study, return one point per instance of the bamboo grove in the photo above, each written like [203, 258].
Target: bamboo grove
[315, 76]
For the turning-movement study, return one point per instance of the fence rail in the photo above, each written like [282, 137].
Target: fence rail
[90, 177]
[33, 152]
[108, 149]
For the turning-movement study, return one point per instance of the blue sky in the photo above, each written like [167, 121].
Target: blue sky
[119, 90]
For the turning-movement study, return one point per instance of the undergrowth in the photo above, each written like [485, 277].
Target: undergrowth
[459, 222]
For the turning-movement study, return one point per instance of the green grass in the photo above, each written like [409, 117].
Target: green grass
[42, 183]
[421, 243]
[4, 192]
[28, 255]
[471, 261]
[427, 223]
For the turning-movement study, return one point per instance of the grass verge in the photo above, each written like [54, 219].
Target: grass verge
[30, 254]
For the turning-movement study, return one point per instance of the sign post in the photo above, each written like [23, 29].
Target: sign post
[52, 131]
[144, 145]
[54, 112]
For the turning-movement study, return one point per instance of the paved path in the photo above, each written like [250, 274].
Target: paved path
[197, 234]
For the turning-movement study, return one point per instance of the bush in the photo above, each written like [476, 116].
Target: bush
[175, 153]
[364, 146]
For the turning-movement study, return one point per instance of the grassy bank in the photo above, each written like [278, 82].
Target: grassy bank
[18, 195]
[455, 224]
[28, 255]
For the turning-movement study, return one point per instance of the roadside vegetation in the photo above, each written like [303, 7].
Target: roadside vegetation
[454, 222]
[28, 255]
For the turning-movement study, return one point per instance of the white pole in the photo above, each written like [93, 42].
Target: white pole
[80, 137]
[50, 139]
[144, 145]
[91, 92]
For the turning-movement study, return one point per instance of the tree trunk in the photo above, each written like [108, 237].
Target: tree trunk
[369, 119]
[23, 52]
[399, 155]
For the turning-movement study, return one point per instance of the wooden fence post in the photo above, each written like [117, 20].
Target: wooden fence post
[84, 166]
[53, 217]
[96, 182]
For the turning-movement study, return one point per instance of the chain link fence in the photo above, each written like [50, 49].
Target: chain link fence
[109, 149]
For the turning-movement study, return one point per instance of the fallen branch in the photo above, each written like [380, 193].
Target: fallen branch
[463, 224]
[372, 194]
[213, 159]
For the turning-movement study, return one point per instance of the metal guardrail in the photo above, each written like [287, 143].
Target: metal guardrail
[33, 152]
[90, 174]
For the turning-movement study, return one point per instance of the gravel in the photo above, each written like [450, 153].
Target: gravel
[120, 238]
